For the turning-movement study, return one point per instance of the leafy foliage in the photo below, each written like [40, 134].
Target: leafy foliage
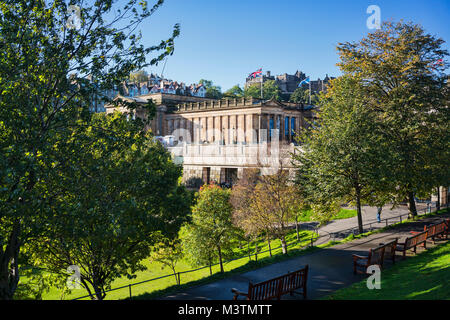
[410, 95]
[270, 91]
[109, 194]
[344, 156]
[209, 237]
[50, 71]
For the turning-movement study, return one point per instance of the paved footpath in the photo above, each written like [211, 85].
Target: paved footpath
[334, 230]
[329, 269]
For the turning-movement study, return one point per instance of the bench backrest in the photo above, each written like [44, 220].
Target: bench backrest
[416, 239]
[294, 280]
[431, 230]
[264, 290]
[276, 287]
[376, 255]
[439, 228]
[390, 246]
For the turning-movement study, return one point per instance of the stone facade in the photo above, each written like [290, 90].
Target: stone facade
[216, 140]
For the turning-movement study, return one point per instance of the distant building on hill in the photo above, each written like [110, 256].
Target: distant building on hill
[288, 83]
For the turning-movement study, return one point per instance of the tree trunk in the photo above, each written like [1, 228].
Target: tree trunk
[9, 264]
[412, 205]
[359, 211]
[256, 251]
[220, 259]
[99, 293]
[176, 277]
[270, 248]
[296, 228]
[283, 245]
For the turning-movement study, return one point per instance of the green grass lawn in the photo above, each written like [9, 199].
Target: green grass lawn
[343, 214]
[169, 283]
[154, 270]
[425, 277]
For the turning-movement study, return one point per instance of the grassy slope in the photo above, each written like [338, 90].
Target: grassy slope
[154, 270]
[343, 214]
[426, 276]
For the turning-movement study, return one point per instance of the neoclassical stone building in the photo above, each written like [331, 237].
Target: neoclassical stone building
[216, 140]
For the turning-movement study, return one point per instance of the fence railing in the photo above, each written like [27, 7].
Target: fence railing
[341, 234]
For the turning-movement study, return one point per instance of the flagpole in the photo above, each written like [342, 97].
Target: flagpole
[310, 92]
[262, 96]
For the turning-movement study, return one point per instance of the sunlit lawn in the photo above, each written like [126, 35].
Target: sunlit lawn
[154, 270]
[343, 214]
[424, 277]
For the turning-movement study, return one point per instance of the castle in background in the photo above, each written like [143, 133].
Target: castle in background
[288, 83]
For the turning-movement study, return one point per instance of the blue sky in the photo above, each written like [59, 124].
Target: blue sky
[224, 41]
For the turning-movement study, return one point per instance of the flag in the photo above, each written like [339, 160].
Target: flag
[255, 74]
[306, 81]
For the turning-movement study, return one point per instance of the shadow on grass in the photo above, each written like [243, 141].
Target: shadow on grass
[249, 266]
[422, 277]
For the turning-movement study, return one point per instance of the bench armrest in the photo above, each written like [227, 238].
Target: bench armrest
[401, 243]
[357, 257]
[238, 293]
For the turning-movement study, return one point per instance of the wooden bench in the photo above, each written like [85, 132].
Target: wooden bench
[389, 249]
[375, 257]
[413, 242]
[447, 230]
[436, 230]
[277, 287]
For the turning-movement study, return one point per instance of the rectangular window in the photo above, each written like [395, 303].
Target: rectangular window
[286, 126]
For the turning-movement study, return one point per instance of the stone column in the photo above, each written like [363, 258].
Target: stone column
[203, 126]
[210, 129]
[249, 128]
[189, 128]
[241, 128]
[233, 126]
[225, 129]
[217, 129]
[196, 129]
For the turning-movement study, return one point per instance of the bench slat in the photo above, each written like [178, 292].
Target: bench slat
[277, 287]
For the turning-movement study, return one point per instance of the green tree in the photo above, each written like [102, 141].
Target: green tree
[403, 71]
[46, 68]
[139, 76]
[234, 92]
[168, 253]
[270, 91]
[274, 203]
[301, 95]
[344, 156]
[110, 194]
[209, 236]
[212, 91]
